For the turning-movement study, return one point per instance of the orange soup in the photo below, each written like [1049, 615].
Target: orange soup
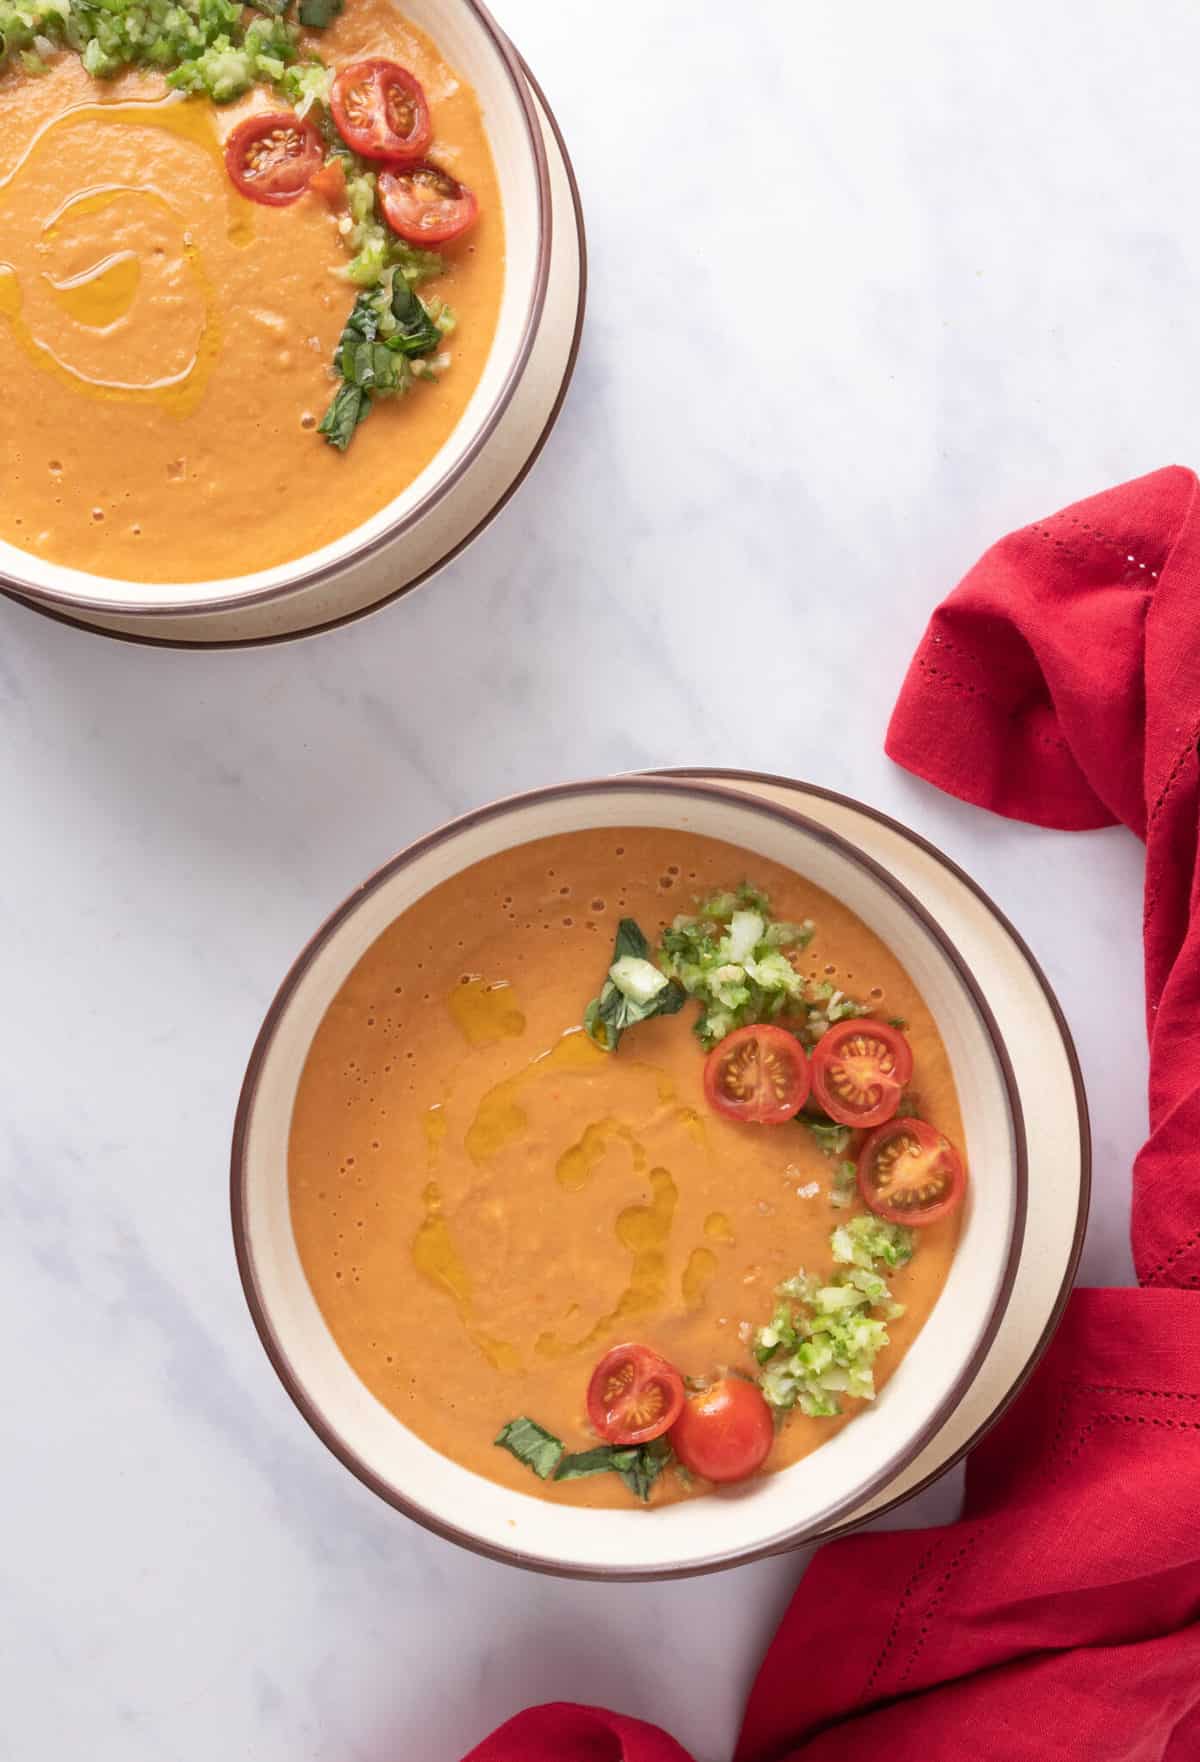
[486, 1202]
[166, 342]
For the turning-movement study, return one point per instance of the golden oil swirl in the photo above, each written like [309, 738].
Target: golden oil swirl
[102, 295]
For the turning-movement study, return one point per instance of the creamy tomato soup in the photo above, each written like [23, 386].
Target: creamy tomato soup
[485, 1202]
[166, 342]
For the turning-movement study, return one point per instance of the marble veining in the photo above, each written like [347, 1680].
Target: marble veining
[865, 295]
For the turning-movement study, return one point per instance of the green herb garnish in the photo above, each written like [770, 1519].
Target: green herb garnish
[731, 957]
[634, 991]
[317, 15]
[581, 1464]
[531, 1444]
[350, 406]
[844, 1185]
[822, 1341]
[831, 1138]
[640, 1468]
[866, 1239]
[541, 1451]
[213, 46]
[416, 333]
[386, 328]
[234, 60]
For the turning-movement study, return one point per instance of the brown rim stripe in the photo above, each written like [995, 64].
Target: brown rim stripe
[679, 787]
[726, 774]
[517, 75]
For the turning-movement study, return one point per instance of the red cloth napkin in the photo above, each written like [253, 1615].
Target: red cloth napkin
[1060, 1617]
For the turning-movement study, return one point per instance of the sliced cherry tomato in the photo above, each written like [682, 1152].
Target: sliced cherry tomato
[425, 205]
[859, 1069]
[381, 111]
[726, 1433]
[757, 1074]
[330, 182]
[634, 1395]
[272, 157]
[910, 1174]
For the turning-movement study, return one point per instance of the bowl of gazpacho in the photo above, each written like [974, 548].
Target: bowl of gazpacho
[628, 1179]
[269, 282]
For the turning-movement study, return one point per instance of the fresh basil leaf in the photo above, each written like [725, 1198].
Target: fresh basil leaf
[417, 333]
[582, 1463]
[606, 1017]
[361, 327]
[638, 1466]
[531, 1444]
[629, 940]
[376, 368]
[317, 15]
[644, 1466]
[350, 406]
[367, 365]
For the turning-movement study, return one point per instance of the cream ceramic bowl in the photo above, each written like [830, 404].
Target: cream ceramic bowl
[408, 536]
[776, 1510]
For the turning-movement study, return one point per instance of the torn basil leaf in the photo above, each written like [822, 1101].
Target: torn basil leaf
[350, 406]
[630, 941]
[640, 1468]
[582, 1463]
[416, 333]
[531, 1444]
[385, 328]
[318, 15]
[634, 991]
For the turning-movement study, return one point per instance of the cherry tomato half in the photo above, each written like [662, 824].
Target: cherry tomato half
[634, 1395]
[726, 1433]
[910, 1174]
[859, 1069]
[425, 205]
[272, 157]
[757, 1074]
[381, 111]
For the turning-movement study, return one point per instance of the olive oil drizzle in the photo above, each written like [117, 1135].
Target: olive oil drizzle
[101, 296]
[500, 1121]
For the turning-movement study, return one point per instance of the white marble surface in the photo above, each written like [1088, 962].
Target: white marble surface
[870, 286]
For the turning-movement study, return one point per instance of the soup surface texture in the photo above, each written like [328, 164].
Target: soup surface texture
[165, 343]
[484, 1201]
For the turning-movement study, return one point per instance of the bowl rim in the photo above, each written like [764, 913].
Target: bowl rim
[55, 599]
[678, 788]
[730, 776]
